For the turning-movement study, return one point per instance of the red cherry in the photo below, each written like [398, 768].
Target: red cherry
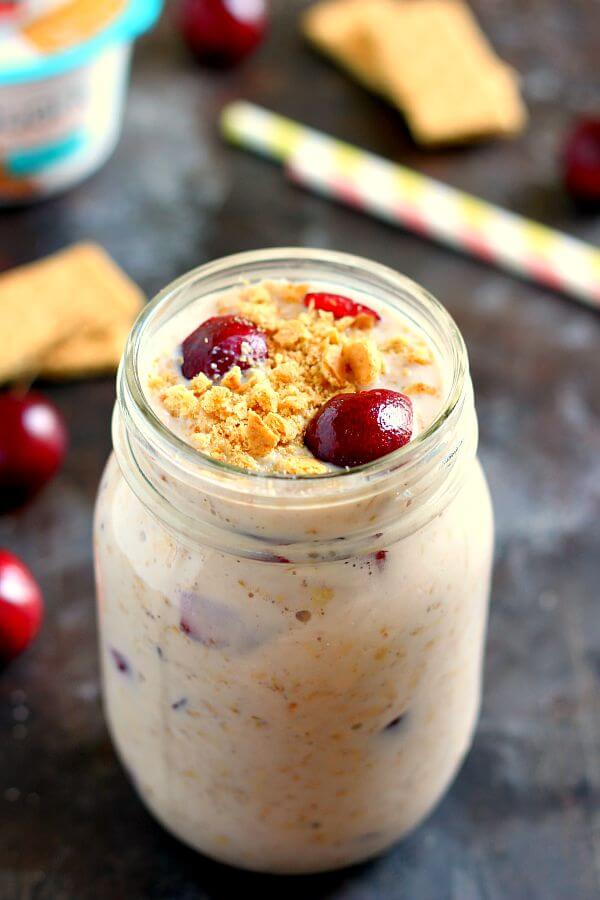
[582, 160]
[21, 606]
[220, 33]
[339, 306]
[33, 443]
[220, 343]
[353, 429]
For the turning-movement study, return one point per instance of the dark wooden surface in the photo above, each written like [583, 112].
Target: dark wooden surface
[522, 820]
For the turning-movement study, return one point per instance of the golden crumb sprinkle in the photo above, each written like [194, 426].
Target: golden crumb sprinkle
[419, 387]
[300, 465]
[180, 402]
[363, 361]
[232, 379]
[413, 349]
[260, 438]
[291, 333]
[312, 357]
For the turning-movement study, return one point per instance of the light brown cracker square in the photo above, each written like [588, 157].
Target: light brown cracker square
[336, 27]
[76, 295]
[91, 353]
[429, 57]
[440, 69]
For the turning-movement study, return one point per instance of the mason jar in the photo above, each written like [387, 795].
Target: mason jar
[292, 666]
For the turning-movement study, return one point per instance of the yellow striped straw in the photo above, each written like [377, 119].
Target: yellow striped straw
[400, 195]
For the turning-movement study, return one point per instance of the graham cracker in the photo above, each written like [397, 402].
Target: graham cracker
[336, 27]
[64, 303]
[440, 69]
[72, 23]
[88, 354]
[429, 57]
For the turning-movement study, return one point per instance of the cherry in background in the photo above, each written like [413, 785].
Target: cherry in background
[220, 33]
[33, 443]
[581, 161]
[21, 606]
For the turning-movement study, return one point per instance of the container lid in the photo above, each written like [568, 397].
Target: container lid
[41, 38]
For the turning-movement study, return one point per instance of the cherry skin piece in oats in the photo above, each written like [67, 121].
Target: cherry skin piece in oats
[338, 305]
[354, 429]
[220, 343]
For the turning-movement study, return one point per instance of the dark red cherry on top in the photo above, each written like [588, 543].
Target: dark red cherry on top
[21, 606]
[353, 429]
[220, 343]
[33, 443]
[582, 160]
[338, 305]
[221, 33]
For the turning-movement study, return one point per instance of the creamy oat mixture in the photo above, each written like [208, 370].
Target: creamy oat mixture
[257, 419]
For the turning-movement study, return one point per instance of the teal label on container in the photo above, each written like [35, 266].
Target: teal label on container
[30, 161]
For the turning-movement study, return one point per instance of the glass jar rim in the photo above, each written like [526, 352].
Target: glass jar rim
[138, 411]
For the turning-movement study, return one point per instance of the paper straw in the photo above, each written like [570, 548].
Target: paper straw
[402, 196]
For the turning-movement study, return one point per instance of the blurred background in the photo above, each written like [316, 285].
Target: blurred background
[522, 819]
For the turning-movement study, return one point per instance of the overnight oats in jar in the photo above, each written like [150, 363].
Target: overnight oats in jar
[293, 554]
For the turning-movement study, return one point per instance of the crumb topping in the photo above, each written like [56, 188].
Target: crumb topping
[312, 357]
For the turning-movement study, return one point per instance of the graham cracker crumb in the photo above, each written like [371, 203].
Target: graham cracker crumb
[231, 379]
[161, 380]
[300, 465]
[414, 350]
[180, 402]
[363, 361]
[333, 367]
[262, 397]
[291, 333]
[419, 387]
[364, 322]
[261, 439]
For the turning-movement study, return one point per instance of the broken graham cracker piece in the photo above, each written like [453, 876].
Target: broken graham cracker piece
[260, 438]
[66, 315]
[71, 23]
[429, 58]
[363, 361]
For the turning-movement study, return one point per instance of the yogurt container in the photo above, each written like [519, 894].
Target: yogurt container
[63, 74]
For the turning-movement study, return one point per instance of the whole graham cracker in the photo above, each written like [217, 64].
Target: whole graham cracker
[336, 27]
[429, 57]
[87, 354]
[442, 72]
[71, 24]
[64, 304]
